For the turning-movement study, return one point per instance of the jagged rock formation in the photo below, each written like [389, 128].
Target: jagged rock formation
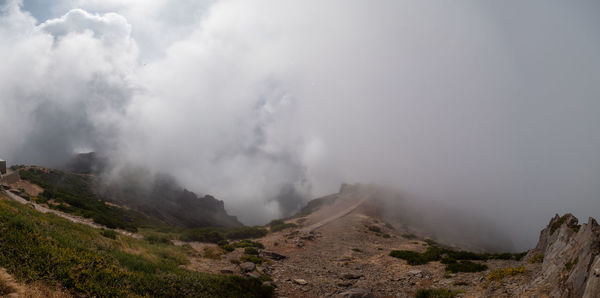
[571, 266]
[166, 201]
[156, 195]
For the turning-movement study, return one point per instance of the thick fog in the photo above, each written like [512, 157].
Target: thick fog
[492, 107]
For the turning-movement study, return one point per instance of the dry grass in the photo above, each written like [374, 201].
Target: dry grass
[10, 288]
[7, 284]
[213, 252]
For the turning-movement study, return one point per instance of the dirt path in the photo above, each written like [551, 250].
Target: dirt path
[336, 216]
[73, 218]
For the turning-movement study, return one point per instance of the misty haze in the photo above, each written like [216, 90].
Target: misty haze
[458, 126]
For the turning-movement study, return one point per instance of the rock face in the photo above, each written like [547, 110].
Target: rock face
[571, 259]
[247, 267]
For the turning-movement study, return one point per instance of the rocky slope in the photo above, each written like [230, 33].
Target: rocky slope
[341, 246]
[571, 264]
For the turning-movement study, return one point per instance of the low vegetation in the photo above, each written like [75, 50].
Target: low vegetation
[538, 258]
[45, 248]
[569, 265]
[437, 293]
[466, 266]
[215, 235]
[500, 274]
[252, 258]
[212, 252]
[280, 225]
[375, 229]
[72, 193]
[110, 234]
[555, 225]
[456, 261]
[251, 251]
[240, 244]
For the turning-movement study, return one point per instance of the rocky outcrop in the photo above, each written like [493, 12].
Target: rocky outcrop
[571, 259]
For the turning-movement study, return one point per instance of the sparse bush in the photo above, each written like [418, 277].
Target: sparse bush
[500, 274]
[252, 258]
[555, 225]
[466, 266]
[281, 227]
[386, 236]
[409, 236]
[158, 239]
[448, 260]
[251, 251]
[519, 256]
[245, 232]
[109, 234]
[356, 250]
[212, 252]
[229, 247]
[276, 222]
[431, 242]
[538, 258]
[569, 265]
[411, 257]
[437, 293]
[210, 235]
[447, 256]
[375, 229]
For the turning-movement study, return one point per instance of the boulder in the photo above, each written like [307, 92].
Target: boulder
[247, 266]
[300, 281]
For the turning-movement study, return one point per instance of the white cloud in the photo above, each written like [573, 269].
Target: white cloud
[461, 102]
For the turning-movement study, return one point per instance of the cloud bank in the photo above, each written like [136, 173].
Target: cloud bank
[491, 108]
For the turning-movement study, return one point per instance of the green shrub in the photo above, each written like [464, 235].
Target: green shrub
[411, 257]
[283, 226]
[210, 235]
[158, 239]
[569, 265]
[500, 274]
[252, 258]
[448, 256]
[44, 248]
[229, 247]
[251, 251]
[465, 266]
[276, 222]
[448, 260]
[109, 234]
[245, 232]
[375, 229]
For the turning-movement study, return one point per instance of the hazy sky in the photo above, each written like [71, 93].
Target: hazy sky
[493, 106]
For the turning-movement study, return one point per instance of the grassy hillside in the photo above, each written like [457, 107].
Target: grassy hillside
[73, 193]
[47, 248]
